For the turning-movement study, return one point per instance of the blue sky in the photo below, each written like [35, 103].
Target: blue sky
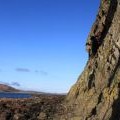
[42, 42]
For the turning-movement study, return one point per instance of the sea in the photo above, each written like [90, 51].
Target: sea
[14, 95]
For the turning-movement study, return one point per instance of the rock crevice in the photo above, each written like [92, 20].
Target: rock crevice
[96, 94]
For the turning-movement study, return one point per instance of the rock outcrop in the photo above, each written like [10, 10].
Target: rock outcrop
[96, 94]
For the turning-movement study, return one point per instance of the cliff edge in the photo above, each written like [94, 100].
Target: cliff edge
[96, 94]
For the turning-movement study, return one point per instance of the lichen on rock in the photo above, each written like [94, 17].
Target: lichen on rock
[96, 94]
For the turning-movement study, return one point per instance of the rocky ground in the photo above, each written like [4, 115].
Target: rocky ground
[39, 107]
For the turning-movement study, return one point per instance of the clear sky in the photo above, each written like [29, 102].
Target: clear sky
[42, 42]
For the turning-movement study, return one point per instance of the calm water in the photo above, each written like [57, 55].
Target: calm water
[14, 95]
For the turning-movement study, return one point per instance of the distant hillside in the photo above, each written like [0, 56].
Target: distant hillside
[6, 88]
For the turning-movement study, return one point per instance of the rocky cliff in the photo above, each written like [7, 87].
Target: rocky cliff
[96, 94]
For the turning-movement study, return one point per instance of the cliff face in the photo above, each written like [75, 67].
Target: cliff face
[96, 94]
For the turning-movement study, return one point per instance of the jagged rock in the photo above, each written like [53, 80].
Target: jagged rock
[96, 94]
[42, 116]
[18, 116]
[5, 115]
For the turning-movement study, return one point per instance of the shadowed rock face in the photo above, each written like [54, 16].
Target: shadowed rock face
[96, 94]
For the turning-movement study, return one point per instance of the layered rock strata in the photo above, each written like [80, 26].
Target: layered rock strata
[96, 94]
